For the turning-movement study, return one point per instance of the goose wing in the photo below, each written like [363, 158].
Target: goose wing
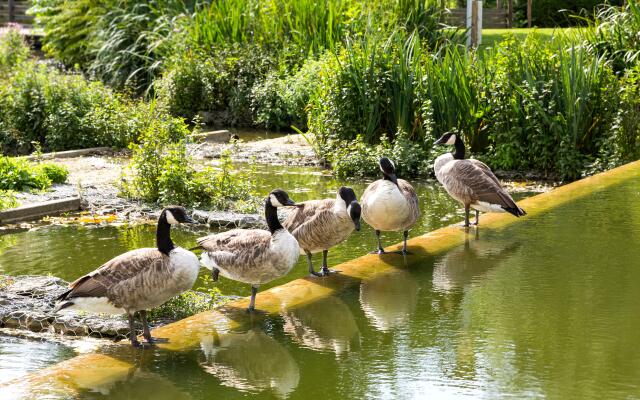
[412, 197]
[237, 247]
[372, 188]
[484, 185]
[305, 212]
[125, 269]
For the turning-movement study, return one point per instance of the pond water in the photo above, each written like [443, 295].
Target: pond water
[19, 356]
[71, 251]
[546, 308]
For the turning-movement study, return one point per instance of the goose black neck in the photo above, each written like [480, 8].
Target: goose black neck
[458, 154]
[163, 235]
[271, 215]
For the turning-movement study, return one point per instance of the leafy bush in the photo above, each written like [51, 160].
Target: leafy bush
[63, 112]
[614, 34]
[352, 159]
[13, 49]
[40, 104]
[161, 171]
[118, 41]
[220, 84]
[20, 175]
[282, 101]
[7, 200]
[56, 173]
[522, 105]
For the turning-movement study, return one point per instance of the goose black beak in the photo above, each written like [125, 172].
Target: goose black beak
[357, 224]
[189, 220]
[290, 203]
[437, 142]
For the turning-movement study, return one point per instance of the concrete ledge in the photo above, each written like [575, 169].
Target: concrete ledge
[70, 153]
[221, 136]
[190, 332]
[38, 210]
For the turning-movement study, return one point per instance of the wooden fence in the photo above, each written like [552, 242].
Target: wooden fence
[491, 18]
[15, 11]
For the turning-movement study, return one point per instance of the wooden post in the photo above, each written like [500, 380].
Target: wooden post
[529, 13]
[12, 11]
[498, 5]
[509, 13]
[474, 23]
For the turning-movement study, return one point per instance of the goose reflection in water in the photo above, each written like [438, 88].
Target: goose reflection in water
[324, 325]
[250, 362]
[463, 265]
[389, 300]
[143, 385]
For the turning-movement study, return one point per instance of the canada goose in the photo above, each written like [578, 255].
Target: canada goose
[318, 225]
[253, 256]
[471, 182]
[139, 279]
[390, 204]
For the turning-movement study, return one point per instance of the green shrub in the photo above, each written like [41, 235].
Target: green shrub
[40, 104]
[548, 110]
[161, 171]
[7, 200]
[20, 175]
[14, 50]
[219, 84]
[61, 111]
[122, 42]
[355, 158]
[56, 173]
[614, 34]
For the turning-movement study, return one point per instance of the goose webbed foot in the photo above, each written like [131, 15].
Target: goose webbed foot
[142, 345]
[154, 340]
[379, 251]
[403, 252]
[215, 274]
[326, 271]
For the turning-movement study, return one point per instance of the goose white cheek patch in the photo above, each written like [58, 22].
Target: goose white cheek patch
[274, 201]
[170, 218]
[452, 139]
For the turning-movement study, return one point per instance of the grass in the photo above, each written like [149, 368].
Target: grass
[491, 37]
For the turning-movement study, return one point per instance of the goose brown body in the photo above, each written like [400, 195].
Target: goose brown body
[319, 225]
[471, 182]
[138, 280]
[251, 256]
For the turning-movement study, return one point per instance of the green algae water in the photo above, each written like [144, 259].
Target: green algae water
[71, 251]
[545, 308]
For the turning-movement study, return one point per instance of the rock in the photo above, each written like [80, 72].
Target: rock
[27, 302]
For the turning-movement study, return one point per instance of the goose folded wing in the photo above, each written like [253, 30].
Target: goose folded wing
[410, 194]
[115, 272]
[237, 246]
[314, 225]
[484, 185]
[302, 213]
